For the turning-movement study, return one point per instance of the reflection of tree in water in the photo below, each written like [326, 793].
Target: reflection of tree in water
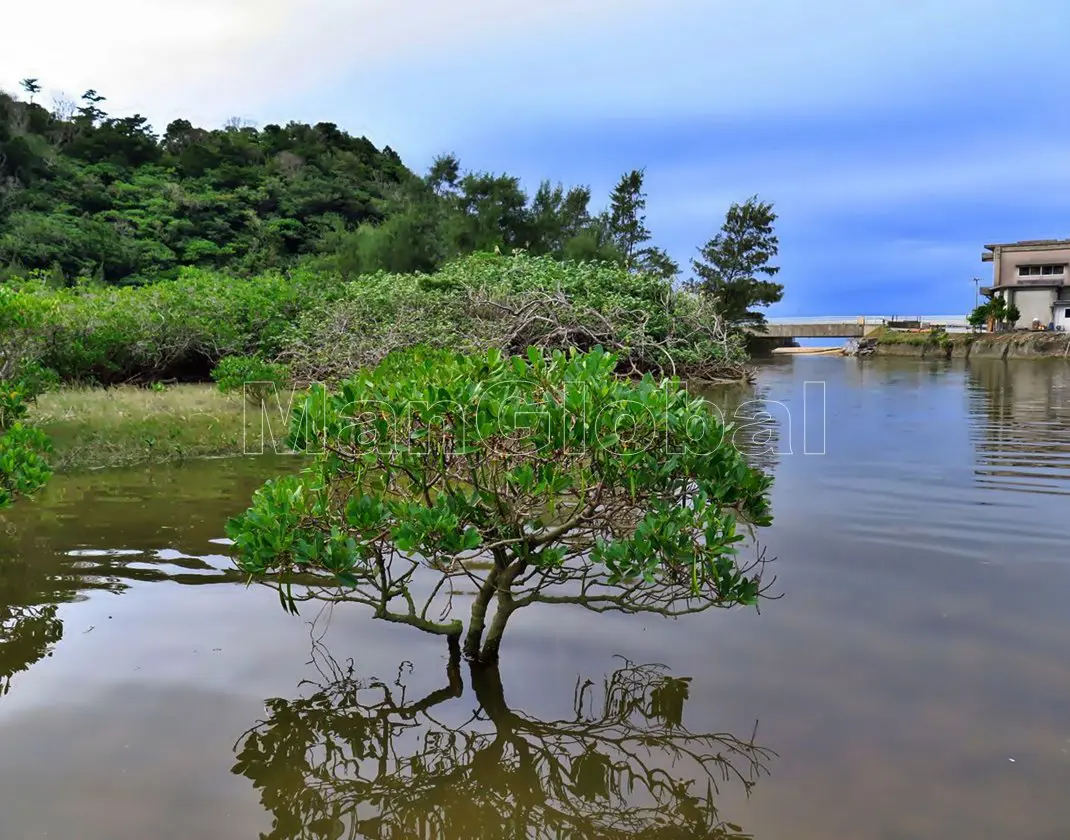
[30, 595]
[362, 759]
[169, 514]
[27, 634]
[32, 591]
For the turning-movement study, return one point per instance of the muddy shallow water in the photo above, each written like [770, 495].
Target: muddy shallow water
[912, 682]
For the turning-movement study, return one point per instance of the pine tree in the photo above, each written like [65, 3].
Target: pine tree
[627, 223]
[31, 86]
[735, 262]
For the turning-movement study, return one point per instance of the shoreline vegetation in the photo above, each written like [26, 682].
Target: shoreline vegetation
[126, 425]
[323, 328]
[303, 254]
[123, 373]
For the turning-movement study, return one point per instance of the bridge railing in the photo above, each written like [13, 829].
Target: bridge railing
[951, 322]
[869, 319]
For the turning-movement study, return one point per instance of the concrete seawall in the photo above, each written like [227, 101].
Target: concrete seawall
[1008, 346]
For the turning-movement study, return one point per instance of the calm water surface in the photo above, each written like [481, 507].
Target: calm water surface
[912, 682]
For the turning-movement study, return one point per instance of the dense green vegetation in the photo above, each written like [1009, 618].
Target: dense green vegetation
[85, 194]
[128, 256]
[325, 328]
[251, 376]
[23, 448]
[512, 303]
[996, 312]
[543, 478]
[171, 329]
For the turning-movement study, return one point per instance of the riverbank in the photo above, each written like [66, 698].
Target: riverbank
[95, 428]
[936, 345]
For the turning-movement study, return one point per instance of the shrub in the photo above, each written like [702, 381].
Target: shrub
[979, 317]
[251, 375]
[375, 315]
[23, 315]
[172, 329]
[543, 478]
[23, 449]
[325, 329]
[23, 461]
[511, 303]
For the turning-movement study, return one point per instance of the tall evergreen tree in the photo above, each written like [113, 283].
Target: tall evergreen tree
[735, 264]
[31, 86]
[627, 222]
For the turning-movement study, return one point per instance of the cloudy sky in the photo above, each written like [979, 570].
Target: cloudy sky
[895, 137]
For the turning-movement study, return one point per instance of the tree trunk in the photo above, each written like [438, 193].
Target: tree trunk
[500, 582]
[489, 654]
[478, 620]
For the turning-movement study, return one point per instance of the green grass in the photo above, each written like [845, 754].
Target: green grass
[935, 338]
[93, 428]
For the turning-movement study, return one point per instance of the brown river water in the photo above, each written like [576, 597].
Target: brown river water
[912, 682]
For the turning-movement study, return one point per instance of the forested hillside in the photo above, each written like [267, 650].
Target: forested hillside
[299, 253]
[84, 194]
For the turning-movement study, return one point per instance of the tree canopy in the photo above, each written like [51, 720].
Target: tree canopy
[735, 265]
[536, 479]
[87, 194]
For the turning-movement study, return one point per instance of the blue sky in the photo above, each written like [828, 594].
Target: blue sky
[895, 139]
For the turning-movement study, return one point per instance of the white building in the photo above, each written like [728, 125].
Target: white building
[1032, 275]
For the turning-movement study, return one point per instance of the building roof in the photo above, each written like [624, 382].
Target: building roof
[1029, 243]
[1025, 287]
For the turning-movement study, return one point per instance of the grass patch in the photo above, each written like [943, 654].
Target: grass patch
[93, 428]
[931, 338]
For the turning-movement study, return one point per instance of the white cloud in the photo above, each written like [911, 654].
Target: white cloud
[220, 57]
[469, 64]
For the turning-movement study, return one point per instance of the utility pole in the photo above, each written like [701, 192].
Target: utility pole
[976, 293]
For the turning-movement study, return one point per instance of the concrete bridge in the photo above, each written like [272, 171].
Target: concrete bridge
[856, 326]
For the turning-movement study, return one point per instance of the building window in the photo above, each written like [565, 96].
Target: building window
[1041, 270]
